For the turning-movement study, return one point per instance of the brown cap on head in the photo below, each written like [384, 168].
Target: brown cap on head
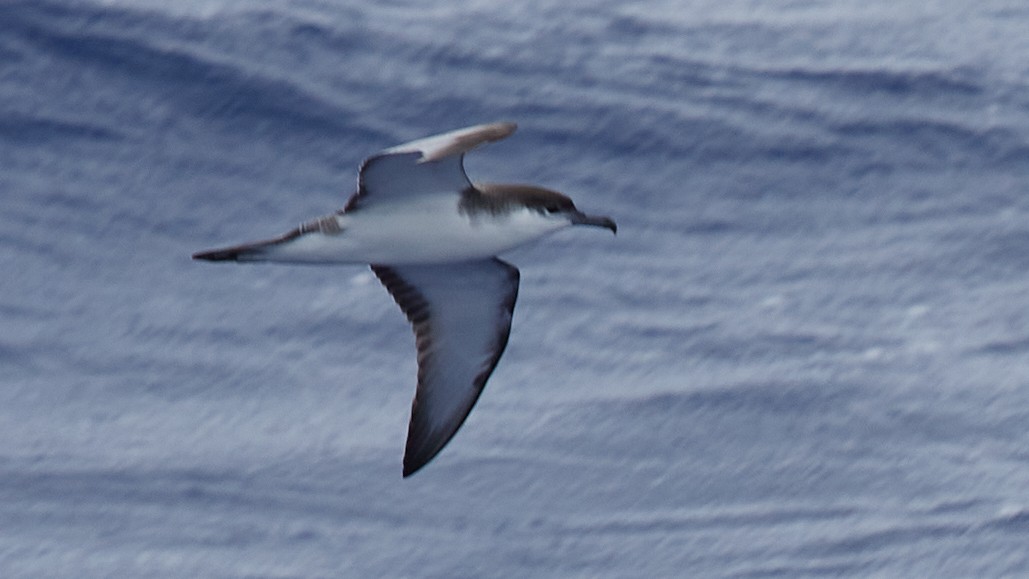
[501, 197]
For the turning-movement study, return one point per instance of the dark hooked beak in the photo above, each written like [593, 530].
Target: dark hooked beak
[580, 218]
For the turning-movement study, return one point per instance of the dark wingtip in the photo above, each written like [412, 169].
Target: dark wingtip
[422, 449]
[412, 466]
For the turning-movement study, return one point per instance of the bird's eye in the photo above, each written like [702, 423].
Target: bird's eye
[552, 208]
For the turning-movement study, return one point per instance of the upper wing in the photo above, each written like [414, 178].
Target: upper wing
[433, 165]
[461, 315]
[455, 142]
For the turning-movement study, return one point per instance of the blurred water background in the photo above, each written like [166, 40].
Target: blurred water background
[805, 354]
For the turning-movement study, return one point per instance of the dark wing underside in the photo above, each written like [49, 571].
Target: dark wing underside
[461, 316]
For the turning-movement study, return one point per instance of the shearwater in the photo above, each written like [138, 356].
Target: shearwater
[432, 236]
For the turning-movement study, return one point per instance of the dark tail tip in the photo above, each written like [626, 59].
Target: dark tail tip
[230, 254]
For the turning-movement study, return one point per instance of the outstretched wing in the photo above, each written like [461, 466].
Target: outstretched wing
[433, 165]
[461, 314]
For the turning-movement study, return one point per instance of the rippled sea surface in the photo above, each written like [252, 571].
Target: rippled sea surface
[805, 354]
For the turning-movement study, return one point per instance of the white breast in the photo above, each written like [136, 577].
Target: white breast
[430, 230]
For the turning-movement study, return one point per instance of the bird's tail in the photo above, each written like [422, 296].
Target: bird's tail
[244, 252]
[271, 249]
[253, 251]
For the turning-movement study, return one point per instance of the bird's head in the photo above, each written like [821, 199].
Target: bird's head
[546, 202]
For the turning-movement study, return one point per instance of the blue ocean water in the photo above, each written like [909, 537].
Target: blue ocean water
[806, 353]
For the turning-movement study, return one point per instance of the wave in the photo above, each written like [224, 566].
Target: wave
[40, 128]
[163, 62]
[666, 106]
